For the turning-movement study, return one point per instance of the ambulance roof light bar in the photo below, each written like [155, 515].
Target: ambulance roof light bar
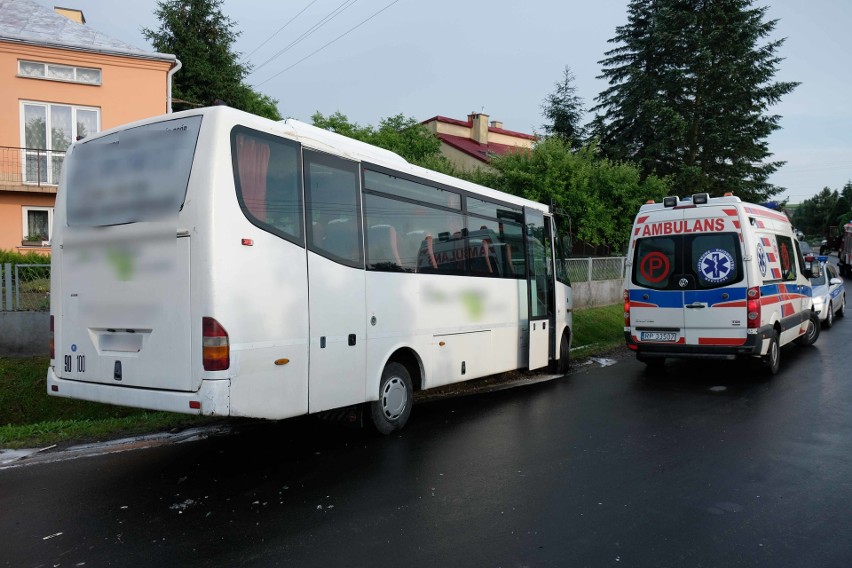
[671, 201]
[700, 198]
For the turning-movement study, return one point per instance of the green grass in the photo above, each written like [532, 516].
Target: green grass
[598, 330]
[29, 418]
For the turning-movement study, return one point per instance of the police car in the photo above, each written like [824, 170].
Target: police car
[828, 293]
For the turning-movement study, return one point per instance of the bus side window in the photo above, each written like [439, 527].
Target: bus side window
[331, 192]
[267, 176]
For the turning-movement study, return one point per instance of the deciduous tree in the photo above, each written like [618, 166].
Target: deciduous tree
[399, 134]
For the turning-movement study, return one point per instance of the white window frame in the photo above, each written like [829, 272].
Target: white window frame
[45, 76]
[48, 125]
[25, 209]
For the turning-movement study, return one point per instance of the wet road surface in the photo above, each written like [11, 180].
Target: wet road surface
[703, 464]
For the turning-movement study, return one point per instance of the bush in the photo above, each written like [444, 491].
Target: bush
[31, 257]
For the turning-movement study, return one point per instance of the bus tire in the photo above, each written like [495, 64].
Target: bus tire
[396, 395]
[772, 359]
[561, 365]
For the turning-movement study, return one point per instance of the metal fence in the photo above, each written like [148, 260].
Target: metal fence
[30, 166]
[595, 268]
[24, 287]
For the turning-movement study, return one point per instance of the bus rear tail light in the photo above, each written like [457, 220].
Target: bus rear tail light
[753, 307]
[626, 309]
[52, 342]
[215, 346]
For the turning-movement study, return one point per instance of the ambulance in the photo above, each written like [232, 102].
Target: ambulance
[716, 278]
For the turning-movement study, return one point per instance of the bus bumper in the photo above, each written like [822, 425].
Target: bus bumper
[211, 399]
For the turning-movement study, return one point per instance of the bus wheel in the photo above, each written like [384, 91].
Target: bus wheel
[560, 366]
[396, 394]
[772, 359]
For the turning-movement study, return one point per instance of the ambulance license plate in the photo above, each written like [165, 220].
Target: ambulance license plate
[658, 336]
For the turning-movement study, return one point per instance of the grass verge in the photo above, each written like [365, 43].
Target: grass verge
[597, 330]
[29, 418]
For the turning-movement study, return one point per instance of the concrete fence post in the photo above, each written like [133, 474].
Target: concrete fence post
[589, 271]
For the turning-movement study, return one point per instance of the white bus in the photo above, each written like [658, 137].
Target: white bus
[219, 263]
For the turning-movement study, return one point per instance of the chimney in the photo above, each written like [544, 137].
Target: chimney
[71, 13]
[496, 124]
[479, 127]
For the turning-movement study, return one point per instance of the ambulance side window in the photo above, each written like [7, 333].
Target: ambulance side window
[787, 257]
[655, 262]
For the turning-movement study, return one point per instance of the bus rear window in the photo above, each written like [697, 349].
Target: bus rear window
[139, 174]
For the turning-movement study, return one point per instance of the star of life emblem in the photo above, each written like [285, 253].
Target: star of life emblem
[761, 259]
[716, 265]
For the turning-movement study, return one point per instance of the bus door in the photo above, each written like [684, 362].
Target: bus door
[336, 282]
[539, 287]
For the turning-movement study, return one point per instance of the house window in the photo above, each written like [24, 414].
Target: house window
[47, 132]
[37, 224]
[57, 72]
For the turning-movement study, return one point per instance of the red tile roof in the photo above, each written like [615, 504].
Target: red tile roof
[481, 152]
[468, 124]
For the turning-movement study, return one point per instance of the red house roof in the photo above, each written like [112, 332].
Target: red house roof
[482, 152]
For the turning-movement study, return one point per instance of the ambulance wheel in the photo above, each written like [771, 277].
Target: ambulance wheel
[810, 336]
[829, 318]
[772, 359]
[396, 393]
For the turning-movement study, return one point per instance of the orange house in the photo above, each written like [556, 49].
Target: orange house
[60, 81]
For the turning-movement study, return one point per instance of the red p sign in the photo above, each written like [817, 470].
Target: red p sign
[654, 267]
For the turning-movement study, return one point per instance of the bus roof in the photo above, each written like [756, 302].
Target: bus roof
[327, 141]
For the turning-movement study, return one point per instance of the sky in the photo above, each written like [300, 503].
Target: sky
[371, 59]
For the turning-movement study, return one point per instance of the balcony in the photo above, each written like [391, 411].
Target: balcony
[30, 169]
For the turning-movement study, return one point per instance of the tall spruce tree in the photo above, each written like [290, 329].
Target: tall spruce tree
[690, 88]
[563, 108]
[202, 37]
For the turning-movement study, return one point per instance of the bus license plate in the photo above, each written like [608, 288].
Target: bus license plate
[658, 336]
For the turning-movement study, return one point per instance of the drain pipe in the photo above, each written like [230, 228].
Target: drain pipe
[171, 73]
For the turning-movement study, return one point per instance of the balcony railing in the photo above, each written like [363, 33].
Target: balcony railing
[30, 166]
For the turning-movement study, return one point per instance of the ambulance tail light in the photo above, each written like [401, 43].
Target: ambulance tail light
[753, 307]
[215, 345]
[626, 309]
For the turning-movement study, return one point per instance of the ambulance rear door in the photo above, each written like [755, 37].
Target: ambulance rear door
[656, 300]
[713, 280]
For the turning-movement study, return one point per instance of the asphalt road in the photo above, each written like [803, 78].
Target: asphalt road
[704, 464]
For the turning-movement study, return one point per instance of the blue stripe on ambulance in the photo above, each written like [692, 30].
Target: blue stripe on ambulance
[679, 298]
